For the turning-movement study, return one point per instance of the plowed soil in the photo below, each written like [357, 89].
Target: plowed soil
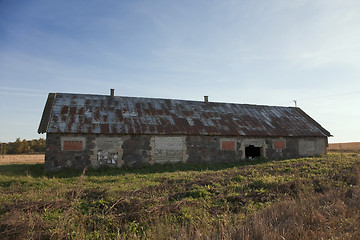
[22, 159]
[351, 146]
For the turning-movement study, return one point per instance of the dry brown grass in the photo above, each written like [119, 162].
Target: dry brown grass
[310, 198]
[351, 146]
[22, 159]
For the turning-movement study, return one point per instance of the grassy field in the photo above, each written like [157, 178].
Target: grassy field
[308, 198]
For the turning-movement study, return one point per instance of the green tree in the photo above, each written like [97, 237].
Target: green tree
[24, 146]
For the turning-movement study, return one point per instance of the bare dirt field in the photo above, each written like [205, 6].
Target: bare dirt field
[21, 159]
[351, 146]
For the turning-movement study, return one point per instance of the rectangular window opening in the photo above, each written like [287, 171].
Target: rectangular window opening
[73, 146]
[279, 144]
[228, 145]
[252, 152]
[72, 143]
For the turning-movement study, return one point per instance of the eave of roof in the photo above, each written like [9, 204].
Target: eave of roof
[45, 119]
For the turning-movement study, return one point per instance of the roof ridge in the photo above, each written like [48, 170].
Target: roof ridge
[174, 99]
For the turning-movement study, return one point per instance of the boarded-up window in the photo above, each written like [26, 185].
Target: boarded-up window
[228, 145]
[168, 149]
[69, 143]
[73, 146]
[306, 147]
[109, 150]
[311, 147]
[279, 144]
[168, 143]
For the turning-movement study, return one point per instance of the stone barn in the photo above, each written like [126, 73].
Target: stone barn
[96, 130]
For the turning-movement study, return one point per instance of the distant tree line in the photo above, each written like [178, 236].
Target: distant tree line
[23, 146]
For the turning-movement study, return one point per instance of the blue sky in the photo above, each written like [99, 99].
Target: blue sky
[257, 52]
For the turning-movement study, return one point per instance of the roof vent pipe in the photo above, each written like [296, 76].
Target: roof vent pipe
[206, 98]
[112, 92]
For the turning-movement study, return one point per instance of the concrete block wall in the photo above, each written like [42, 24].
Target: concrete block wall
[168, 149]
[142, 150]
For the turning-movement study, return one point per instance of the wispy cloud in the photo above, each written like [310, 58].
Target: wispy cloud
[22, 92]
[11, 89]
[236, 51]
[329, 37]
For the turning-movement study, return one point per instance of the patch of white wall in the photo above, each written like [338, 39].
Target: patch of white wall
[168, 149]
[107, 151]
[311, 147]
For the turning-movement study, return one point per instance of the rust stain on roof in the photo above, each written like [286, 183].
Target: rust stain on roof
[84, 113]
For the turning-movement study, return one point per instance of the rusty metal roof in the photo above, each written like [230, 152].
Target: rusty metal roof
[84, 113]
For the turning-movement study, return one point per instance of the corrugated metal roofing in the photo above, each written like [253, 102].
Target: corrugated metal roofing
[84, 113]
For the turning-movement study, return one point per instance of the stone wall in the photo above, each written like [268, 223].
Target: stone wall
[56, 158]
[79, 151]
[206, 149]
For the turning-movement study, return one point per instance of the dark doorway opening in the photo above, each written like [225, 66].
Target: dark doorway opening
[252, 152]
